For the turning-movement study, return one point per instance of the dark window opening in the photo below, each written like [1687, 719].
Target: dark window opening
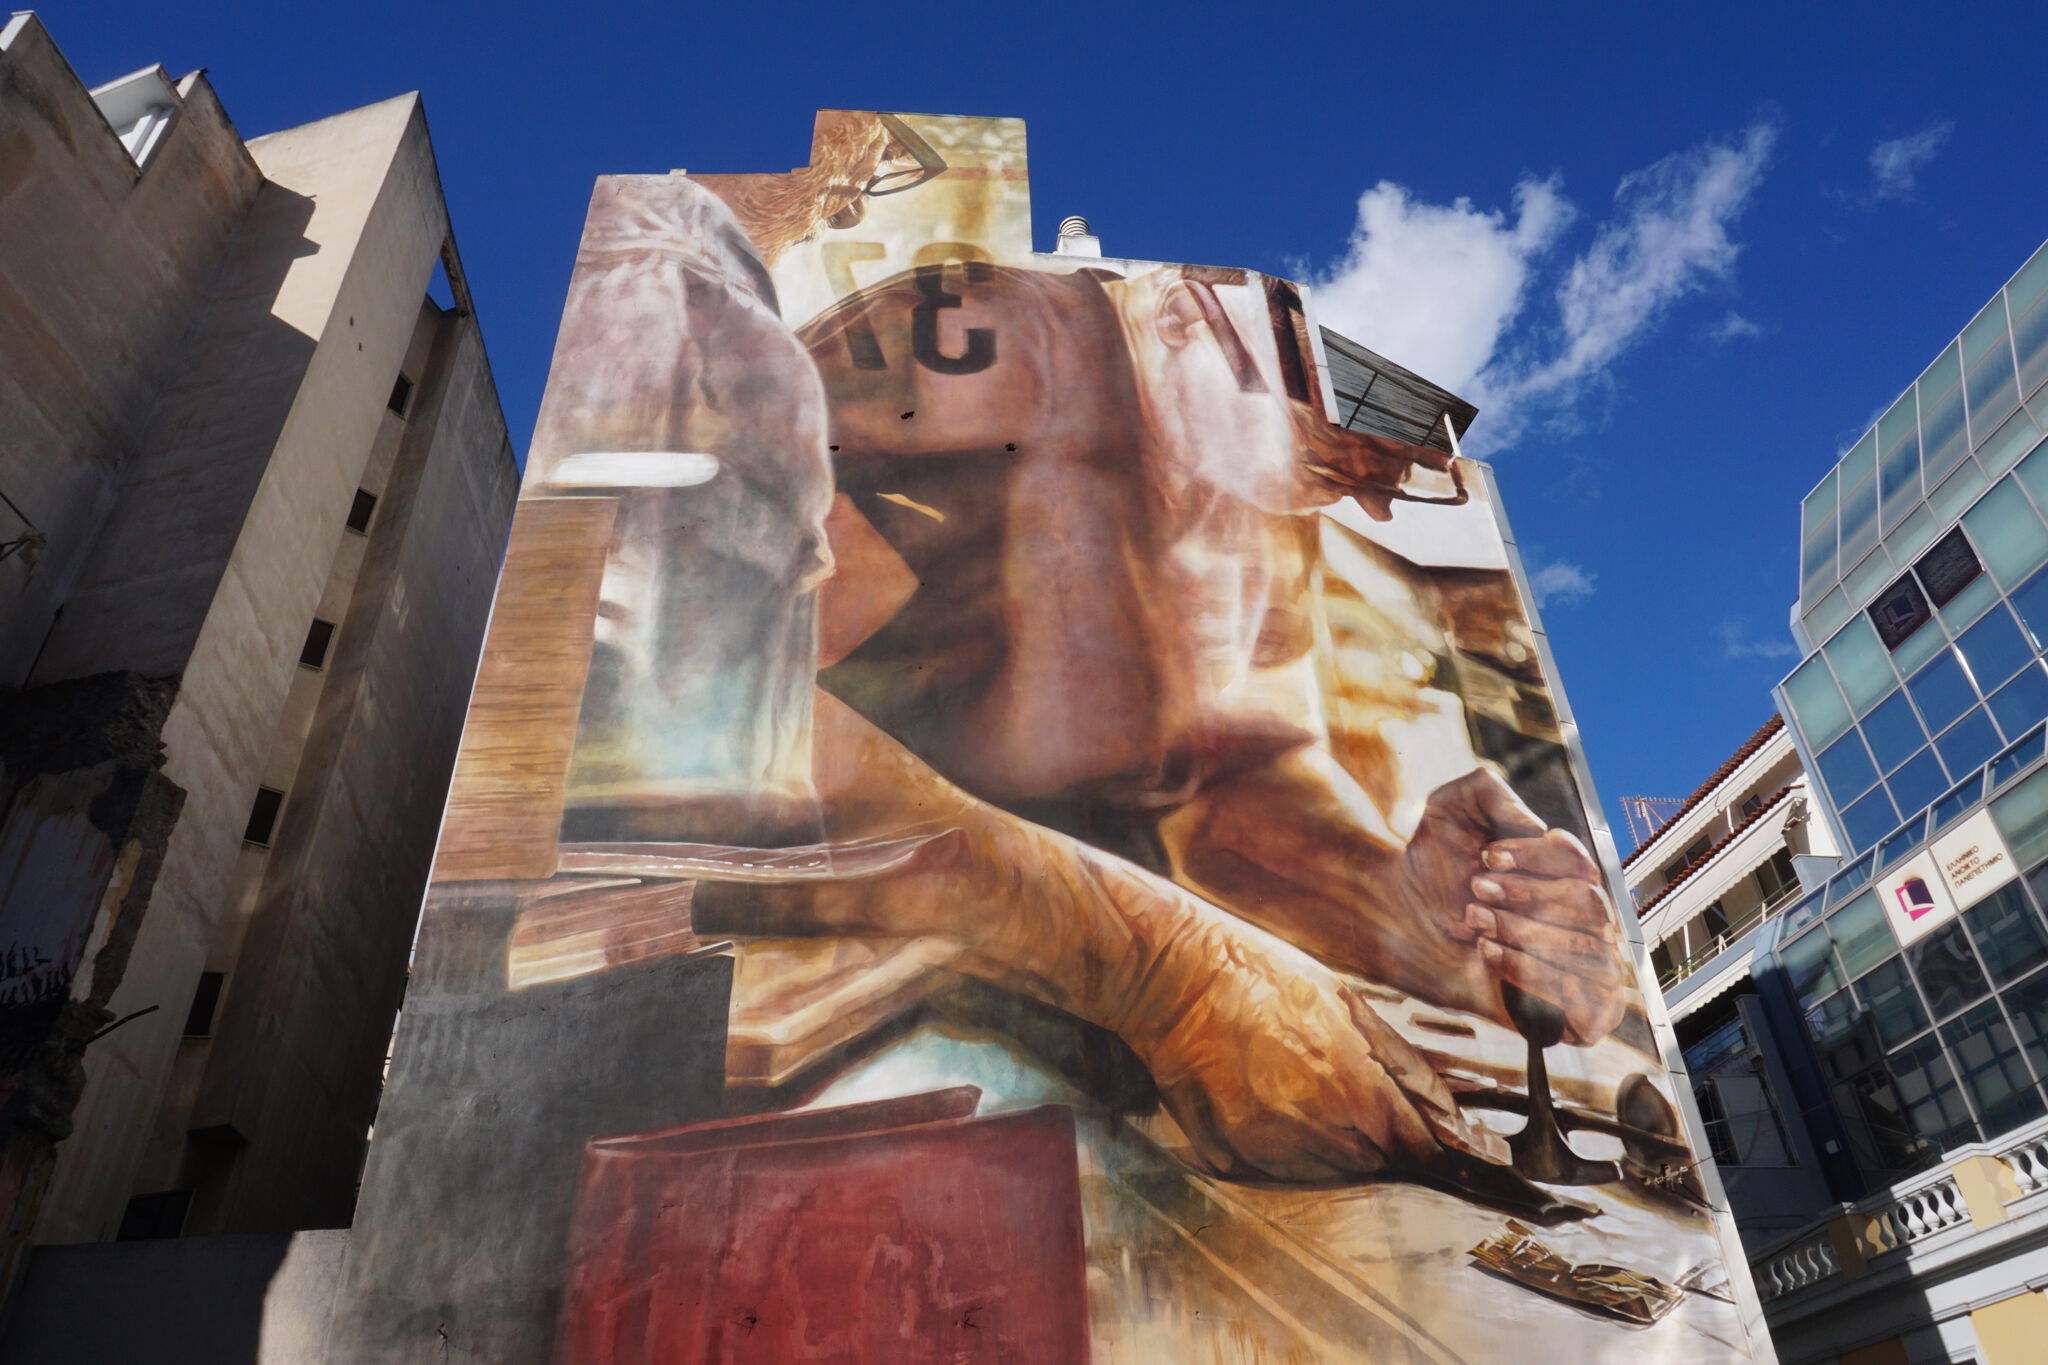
[361, 510]
[263, 816]
[1898, 611]
[1948, 568]
[199, 1021]
[1776, 875]
[1752, 805]
[1688, 858]
[318, 637]
[401, 395]
[1715, 918]
[150, 1216]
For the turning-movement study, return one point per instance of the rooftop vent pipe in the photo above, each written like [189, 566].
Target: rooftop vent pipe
[1075, 238]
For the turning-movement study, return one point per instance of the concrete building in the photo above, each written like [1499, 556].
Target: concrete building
[1873, 1053]
[254, 490]
[1706, 884]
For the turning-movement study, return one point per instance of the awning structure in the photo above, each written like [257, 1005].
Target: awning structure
[1689, 998]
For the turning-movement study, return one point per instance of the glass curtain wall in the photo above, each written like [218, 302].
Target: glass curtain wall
[1919, 691]
[1941, 1043]
[1967, 420]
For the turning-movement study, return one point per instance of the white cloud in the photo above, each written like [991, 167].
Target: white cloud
[1734, 326]
[1737, 643]
[1443, 289]
[1434, 287]
[1895, 165]
[1561, 584]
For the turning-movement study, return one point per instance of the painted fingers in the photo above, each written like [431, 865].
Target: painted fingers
[1542, 920]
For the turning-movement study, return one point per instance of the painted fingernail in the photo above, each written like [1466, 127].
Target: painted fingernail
[1482, 919]
[1486, 888]
[1499, 859]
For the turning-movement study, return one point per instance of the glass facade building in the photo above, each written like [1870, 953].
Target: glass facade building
[1921, 700]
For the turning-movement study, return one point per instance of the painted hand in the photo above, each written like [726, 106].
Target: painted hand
[1275, 1070]
[1485, 871]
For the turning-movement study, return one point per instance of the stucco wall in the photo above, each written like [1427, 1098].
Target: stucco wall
[296, 1066]
[101, 268]
[217, 555]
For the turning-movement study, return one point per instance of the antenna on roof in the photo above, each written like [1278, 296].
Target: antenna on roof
[1648, 814]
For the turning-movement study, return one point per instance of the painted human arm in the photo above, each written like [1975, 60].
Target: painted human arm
[1271, 1066]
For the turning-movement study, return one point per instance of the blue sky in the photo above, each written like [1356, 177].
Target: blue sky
[1680, 255]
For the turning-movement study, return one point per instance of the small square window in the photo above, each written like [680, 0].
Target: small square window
[401, 396]
[1898, 611]
[205, 1000]
[318, 637]
[361, 510]
[150, 1216]
[263, 816]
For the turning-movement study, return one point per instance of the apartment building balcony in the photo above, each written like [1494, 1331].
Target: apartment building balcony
[1730, 938]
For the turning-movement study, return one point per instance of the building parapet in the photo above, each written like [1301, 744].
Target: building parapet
[1975, 1188]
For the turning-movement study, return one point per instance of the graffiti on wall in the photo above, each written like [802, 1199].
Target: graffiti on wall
[992, 829]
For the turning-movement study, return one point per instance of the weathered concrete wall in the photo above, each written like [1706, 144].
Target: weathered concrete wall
[101, 268]
[195, 362]
[296, 1067]
[255, 1300]
[203, 1161]
[85, 819]
[254, 456]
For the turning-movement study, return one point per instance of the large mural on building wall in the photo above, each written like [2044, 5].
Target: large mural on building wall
[991, 829]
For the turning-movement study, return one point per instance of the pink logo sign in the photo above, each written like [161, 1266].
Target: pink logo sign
[1914, 897]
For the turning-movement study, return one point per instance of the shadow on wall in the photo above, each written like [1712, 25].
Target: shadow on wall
[256, 1300]
[88, 725]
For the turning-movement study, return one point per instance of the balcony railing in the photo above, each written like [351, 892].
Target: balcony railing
[1895, 1219]
[1809, 1260]
[1679, 971]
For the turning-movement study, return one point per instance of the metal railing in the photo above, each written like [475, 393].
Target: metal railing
[1786, 894]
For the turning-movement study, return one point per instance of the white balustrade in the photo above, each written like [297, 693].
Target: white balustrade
[1803, 1263]
[1909, 1212]
[2028, 1160]
[1905, 1219]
